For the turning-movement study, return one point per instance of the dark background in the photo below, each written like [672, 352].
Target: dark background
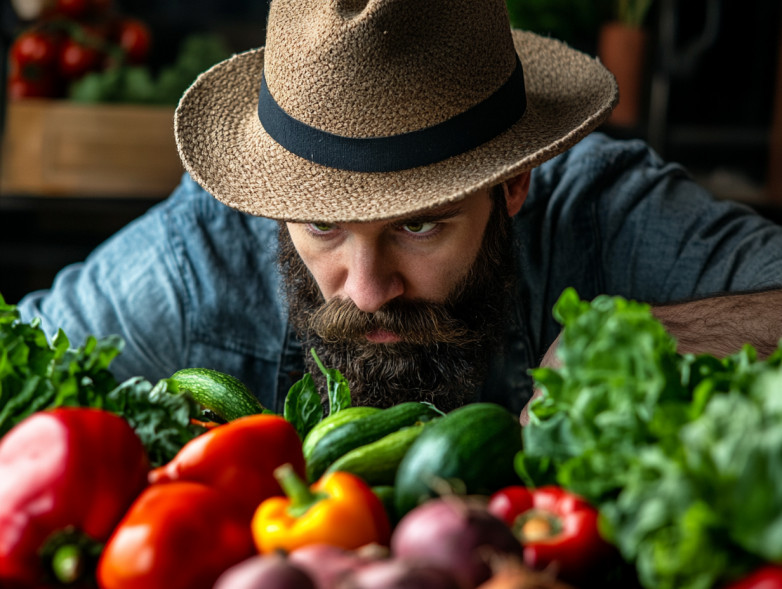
[715, 117]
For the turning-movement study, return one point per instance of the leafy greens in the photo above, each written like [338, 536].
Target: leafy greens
[681, 453]
[36, 375]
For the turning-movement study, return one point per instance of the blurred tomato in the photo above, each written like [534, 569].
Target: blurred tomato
[36, 48]
[76, 59]
[135, 38]
[42, 86]
[72, 8]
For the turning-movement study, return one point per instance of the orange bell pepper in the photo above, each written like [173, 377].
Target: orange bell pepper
[340, 509]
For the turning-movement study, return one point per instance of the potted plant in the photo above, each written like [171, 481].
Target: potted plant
[622, 49]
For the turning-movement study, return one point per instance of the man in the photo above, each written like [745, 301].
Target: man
[396, 161]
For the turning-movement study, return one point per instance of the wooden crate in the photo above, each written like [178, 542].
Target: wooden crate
[60, 148]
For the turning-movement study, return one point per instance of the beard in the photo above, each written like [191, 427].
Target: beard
[445, 348]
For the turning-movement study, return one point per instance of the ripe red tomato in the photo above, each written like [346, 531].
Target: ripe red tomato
[135, 38]
[77, 59]
[34, 48]
[72, 8]
[42, 86]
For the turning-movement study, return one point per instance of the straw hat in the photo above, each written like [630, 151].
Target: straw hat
[361, 110]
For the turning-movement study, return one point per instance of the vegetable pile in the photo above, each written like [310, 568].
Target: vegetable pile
[87, 51]
[681, 453]
[640, 467]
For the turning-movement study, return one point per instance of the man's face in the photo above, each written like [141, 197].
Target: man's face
[408, 309]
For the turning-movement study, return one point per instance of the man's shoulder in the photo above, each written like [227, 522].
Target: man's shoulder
[193, 207]
[590, 166]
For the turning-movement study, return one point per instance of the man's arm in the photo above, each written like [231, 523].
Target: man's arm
[718, 325]
[721, 325]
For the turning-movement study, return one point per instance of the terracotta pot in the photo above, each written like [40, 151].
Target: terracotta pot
[622, 49]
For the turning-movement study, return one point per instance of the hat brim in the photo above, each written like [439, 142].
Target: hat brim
[225, 149]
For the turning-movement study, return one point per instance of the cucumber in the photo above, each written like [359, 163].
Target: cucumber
[472, 447]
[377, 462]
[332, 421]
[225, 395]
[365, 430]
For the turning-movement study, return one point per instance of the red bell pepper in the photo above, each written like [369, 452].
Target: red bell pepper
[180, 535]
[67, 476]
[340, 510]
[238, 458]
[557, 529]
[766, 577]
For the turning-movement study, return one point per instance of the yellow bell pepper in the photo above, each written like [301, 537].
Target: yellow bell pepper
[340, 509]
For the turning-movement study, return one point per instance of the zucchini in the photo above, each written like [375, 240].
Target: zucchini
[472, 448]
[224, 395]
[377, 462]
[365, 430]
[332, 421]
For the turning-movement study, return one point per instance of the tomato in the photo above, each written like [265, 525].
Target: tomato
[77, 59]
[72, 8]
[34, 48]
[135, 38]
[42, 86]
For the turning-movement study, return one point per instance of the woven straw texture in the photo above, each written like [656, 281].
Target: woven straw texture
[391, 89]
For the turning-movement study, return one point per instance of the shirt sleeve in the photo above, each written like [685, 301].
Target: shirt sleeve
[611, 217]
[129, 286]
[666, 238]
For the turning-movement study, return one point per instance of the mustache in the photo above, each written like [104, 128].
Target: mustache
[415, 322]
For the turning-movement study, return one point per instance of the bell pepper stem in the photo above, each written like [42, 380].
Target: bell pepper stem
[68, 564]
[70, 556]
[300, 495]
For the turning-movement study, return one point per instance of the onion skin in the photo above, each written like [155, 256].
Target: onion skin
[397, 573]
[327, 565]
[271, 571]
[458, 535]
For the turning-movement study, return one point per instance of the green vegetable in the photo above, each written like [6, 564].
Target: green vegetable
[337, 386]
[472, 449]
[378, 461]
[36, 375]
[681, 453]
[138, 85]
[302, 406]
[225, 395]
[331, 422]
[365, 430]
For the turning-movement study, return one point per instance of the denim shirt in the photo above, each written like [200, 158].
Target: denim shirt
[194, 283]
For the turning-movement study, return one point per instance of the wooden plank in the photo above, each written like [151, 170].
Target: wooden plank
[59, 148]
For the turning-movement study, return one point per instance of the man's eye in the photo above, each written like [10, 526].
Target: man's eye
[419, 228]
[322, 227]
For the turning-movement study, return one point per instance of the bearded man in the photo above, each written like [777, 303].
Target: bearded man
[406, 188]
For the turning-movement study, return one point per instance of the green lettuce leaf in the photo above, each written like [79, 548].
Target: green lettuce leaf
[682, 454]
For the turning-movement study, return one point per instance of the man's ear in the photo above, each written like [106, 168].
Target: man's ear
[516, 190]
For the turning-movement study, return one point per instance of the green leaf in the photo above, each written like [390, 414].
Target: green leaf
[337, 386]
[679, 452]
[37, 375]
[303, 407]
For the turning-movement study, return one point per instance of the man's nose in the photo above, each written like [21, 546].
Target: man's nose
[372, 278]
